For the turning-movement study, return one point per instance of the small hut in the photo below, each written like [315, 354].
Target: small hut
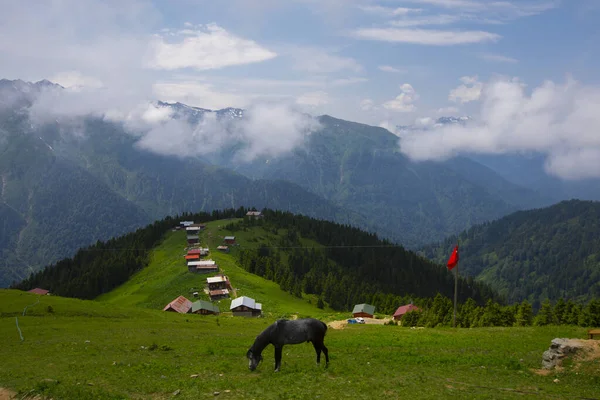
[363, 310]
[180, 305]
[245, 307]
[204, 308]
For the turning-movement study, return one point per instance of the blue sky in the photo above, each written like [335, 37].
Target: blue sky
[348, 58]
[381, 62]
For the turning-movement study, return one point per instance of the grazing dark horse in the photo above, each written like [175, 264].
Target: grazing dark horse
[284, 331]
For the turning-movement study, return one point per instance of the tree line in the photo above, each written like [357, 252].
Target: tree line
[439, 312]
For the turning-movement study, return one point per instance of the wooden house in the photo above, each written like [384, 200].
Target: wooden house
[403, 310]
[224, 249]
[218, 287]
[245, 307]
[204, 308]
[203, 266]
[363, 310]
[192, 230]
[185, 224]
[218, 282]
[218, 294]
[254, 215]
[229, 239]
[192, 257]
[180, 305]
[193, 239]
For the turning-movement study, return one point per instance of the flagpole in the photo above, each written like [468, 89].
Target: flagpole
[455, 292]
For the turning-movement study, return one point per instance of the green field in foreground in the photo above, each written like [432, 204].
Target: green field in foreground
[75, 349]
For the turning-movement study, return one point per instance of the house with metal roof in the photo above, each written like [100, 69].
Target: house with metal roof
[218, 287]
[193, 239]
[180, 305]
[245, 307]
[192, 230]
[403, 310]
[229, 239]
[363, 310]
[254, 214]
[204, 308]
[203, 266]
[224, 249]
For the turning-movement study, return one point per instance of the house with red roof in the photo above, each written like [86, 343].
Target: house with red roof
[39, 291]
[403, 310]
[180, 305]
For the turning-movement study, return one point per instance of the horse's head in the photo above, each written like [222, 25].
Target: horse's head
[253, 359]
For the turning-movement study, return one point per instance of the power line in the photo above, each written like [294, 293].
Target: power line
[273, 247]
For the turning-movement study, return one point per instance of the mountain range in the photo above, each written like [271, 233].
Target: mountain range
[68, 182]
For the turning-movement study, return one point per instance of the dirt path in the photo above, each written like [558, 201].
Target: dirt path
[341, 324]
[6, 394]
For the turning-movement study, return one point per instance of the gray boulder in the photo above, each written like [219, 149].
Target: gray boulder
[561, 348]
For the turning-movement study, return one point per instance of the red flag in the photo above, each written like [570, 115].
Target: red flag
[453, 260]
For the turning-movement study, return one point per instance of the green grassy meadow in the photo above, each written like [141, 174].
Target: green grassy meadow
[97, 350]
[121, 346]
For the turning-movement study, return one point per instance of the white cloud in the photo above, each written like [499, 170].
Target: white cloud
[404, 101]
[442, 19]
[316, 60]
[199, 94]
[559, 120]
[389, 11]
[204, 48]
[469, 91]
[75, 80]
[348, 81]
[313, 99]
[272, 129]
[501, 9]
[498, 58]
[389, 126]
[389, 68]
[425, 36]
[448, 110]
[368, 105]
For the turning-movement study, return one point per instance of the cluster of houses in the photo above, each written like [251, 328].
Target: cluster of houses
[218, 286]
[368, 311]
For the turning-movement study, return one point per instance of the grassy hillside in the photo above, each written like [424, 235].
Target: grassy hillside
[535, 255]
[167, 277]
[75, 349]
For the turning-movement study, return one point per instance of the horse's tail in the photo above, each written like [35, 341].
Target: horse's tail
[324, 327]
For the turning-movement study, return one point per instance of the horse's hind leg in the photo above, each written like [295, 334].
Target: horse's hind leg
[326, 354]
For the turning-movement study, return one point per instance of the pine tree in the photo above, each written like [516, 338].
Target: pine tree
[320, 303]
[524, 315]
[545, 315]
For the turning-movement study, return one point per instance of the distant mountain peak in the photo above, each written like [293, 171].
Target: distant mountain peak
[430, 123]
[185, 110]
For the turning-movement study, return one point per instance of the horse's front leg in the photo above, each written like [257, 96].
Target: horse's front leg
[318, 351]
[278, 351]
